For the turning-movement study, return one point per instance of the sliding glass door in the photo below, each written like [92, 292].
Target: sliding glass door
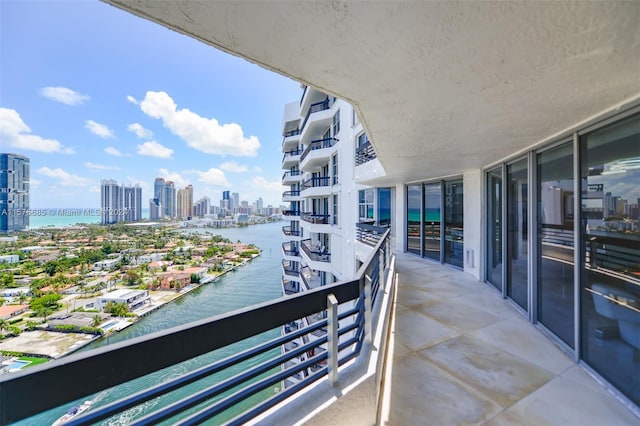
[517, 234]
[432, 223]
[453, 223]
[414, 203]
[556, 242]
[610, 249]
[494, 227]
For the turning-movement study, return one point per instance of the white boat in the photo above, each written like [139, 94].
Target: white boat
[73, 412]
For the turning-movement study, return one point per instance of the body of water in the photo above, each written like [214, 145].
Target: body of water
[256, 282]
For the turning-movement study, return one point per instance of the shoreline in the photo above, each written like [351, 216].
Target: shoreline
[121, 324]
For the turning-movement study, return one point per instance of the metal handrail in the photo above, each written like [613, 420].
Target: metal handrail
[315, 182]
[291, 173]
[318, 144]
[315, 255]
[322, 219]
[365, 153]
[291, 153]
[291, 193]
[317, 107]
[121, 362]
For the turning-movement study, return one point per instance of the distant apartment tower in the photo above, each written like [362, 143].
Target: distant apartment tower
[132, 203]
[156, 209]
[201, 207]
[225, 203]
[111, 202]
[259, 205]
[14, 192]
[235, 202]
[185, 202]
[119, 203]
[170, 209]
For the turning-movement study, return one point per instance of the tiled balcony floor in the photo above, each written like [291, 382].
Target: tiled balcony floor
[463, 355]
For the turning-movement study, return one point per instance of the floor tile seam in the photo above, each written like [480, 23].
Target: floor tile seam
[476, 393]
[473, 334]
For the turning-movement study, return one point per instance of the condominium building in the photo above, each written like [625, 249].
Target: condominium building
[332, 221]
[119, 203]
[163, 203]
[14, 192]
[185, 202]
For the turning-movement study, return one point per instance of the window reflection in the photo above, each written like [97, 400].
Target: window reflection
[453, 223]
[414, 202]
[610, 281]
[432, 212]
[494, 228]
[556, 242]
[517, 236]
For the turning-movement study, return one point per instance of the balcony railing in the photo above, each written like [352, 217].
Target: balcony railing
[317, 107]
[291, 212]
[315, 253]
[292, 133]
[290, 269]
[60, 382]
[292, 153]
[290, 194]
[369, 234]
[316, 218]
[318, 144]
[365, 153]
[289, 250]
[316, 182]
[291, 173]
[286, 230]
[304, 92]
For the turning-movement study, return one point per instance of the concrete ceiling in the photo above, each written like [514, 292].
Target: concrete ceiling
[441, 87]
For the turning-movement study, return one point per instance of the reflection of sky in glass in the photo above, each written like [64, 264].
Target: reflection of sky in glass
[624, 183]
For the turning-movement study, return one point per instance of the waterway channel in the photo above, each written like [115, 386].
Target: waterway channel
[255, 282]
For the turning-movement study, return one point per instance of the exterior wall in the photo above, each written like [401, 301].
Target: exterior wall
[14, 192]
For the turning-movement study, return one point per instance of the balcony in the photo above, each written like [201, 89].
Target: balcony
[317, 153]
[291, 196]
[365, 153]
[322, 186]
[291, 158]
[369, 234]
[286, 230]
[290, 287]
[291, 214]
[316, 107]
[315, 218]
[290, 269]
[290, 250]
[290, 140]
[291, 177]
[315, 253]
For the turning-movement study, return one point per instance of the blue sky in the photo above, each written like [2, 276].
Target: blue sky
[90, 92]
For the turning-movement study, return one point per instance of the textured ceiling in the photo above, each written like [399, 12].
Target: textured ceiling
[441, 87]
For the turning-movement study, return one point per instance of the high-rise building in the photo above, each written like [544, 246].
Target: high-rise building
[201, 207]
[132, 203]
[169, 200]
[14, 192]
[119, 203]
[111, 202]
[185, 202]
[156, 204]
[259, 205]
[235, 202]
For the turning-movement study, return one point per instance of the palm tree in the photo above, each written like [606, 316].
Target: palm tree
[3, 325]
[97, 320]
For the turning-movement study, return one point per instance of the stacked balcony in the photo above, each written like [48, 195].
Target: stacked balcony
[316, 186]
[317, 153]
[291, 158]
[291, 177]
[290, 140]
[293, 195]
[365, 153]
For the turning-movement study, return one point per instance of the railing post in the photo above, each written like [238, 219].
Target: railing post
[332, 339]
[368, 320]
[381, 267]
[388, 246]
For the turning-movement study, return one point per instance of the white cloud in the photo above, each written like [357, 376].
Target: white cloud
[64, 95]
[95, 189]
[132, 100]
[232, 166]
[34, 183]
[261, 183]
[176, 177]
[112, 151]
[94, 166]
[64, 178]
[212, 176]
[200, 133]
[15, 133]
[256, 169]
[154, 149]
[140, 131]
[99, 129]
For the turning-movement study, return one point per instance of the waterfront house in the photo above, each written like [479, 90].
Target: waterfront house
[10, 311]
[134, 299]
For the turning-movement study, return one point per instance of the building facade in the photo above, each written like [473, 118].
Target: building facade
[14, 192]
[119, 203]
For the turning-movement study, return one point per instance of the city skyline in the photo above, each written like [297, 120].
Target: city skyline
[114, 101]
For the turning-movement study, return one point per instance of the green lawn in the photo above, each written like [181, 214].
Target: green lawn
[34, 360]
